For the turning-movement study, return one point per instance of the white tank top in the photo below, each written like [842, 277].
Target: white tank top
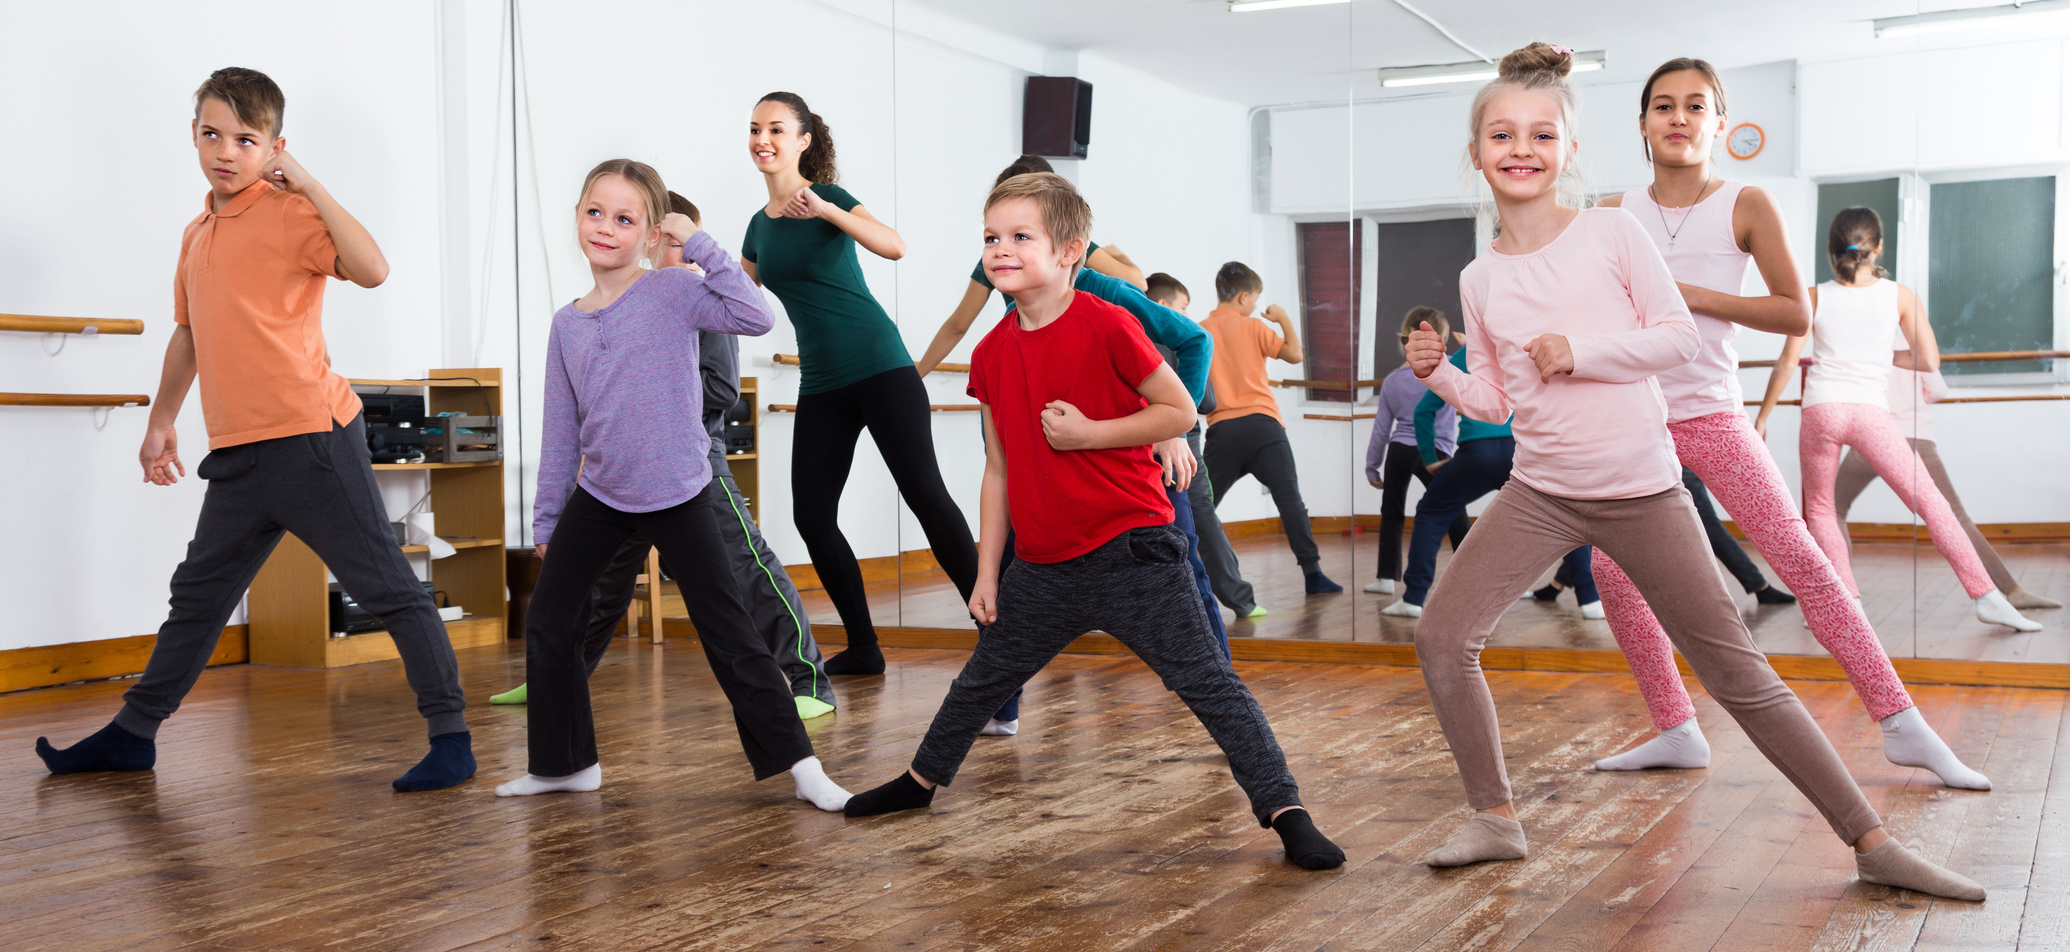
[1703, 251]
[1851, 332]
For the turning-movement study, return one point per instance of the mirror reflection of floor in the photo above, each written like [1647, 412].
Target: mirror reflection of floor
[1913, 600]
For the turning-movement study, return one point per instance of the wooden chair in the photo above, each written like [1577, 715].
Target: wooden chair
[652, 580]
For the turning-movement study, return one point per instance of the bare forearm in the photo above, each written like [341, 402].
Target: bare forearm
[1152, 424]
[359, 258]
[1774, 313]
[881, 239]
[175, 379]
[993, 518]
[953, 329]
[1290, 351]
[1779, 378]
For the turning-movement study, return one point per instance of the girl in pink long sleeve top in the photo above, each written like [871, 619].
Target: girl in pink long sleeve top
[1569, 315]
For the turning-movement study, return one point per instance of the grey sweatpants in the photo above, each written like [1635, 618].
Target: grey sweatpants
[1660, 544]
[1224, 577]
[1856, 474]
[1256, 445]
[766, 592]
[1139, 588]
[319, 486]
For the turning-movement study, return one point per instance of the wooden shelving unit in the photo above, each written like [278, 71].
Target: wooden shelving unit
[747, 467]
[290, 599]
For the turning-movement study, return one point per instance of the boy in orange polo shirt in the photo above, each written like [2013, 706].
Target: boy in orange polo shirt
[287, 445]
[1245, 436]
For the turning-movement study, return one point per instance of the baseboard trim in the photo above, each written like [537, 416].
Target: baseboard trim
[47, 665]
[1794, 667]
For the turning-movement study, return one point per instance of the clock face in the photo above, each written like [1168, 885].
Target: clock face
[1744, 141]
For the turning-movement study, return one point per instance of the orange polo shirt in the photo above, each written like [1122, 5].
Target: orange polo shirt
[1242, 343]
[250, 285]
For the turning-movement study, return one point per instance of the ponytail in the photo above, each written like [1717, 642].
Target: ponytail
[816, 164]
[1854, 240]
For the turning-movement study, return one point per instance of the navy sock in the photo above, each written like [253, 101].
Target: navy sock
[905, 793]
[450, 761]
[110, 748]
[1320, 584]
[1770, 595]
[1306, 846]
[857, 659]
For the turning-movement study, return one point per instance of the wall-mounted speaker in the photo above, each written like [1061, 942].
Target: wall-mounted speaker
[1056, 117]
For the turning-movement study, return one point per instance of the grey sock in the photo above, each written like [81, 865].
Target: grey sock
[1486, 837]
[1893, 865]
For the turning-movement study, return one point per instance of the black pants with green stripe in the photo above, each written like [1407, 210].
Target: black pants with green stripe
[765, 590]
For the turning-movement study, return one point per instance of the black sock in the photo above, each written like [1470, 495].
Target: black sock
[905, 793]
[1316, 583]
[1550, 593]
[1770, 595]
[450, 761]
[857, 659]
[1306, 846]
[110, 748]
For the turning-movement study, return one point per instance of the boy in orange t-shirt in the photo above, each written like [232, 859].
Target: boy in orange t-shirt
[288, 448]
[1245, 436]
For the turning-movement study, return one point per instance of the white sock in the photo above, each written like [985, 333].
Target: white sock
[1402, 609]
[581, 781]
[998, 728]
[1592, 611]
[816, 787]
[1993, 609]
[1909, 742]
[1380, 586]
[1680, 747]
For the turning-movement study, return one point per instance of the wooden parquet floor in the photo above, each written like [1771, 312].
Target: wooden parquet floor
[1111, 822]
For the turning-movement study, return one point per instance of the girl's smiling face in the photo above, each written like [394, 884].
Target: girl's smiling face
[611, 224]
[1681, 123]
[1523, 144]
[774, 138]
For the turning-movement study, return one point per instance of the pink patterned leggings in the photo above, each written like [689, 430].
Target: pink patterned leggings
[1827, 431]
[1729, 457]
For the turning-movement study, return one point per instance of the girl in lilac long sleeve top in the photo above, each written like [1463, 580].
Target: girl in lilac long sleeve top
[624, 407]
[1394, 419]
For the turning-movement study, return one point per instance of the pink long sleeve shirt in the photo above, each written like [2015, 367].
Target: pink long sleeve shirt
[1600, 432]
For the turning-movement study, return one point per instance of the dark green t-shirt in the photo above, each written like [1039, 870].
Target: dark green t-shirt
[843, 333]
[978, 273]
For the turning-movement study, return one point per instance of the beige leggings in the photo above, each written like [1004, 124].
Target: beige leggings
[1660, 544]
[1856, 474]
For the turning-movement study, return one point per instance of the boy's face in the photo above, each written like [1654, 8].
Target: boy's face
[1177, 301]
[672, 255]
[612, 224]
[1019, 255]
[232, 151]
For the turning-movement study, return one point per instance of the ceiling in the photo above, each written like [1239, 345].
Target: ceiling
[1308, 54]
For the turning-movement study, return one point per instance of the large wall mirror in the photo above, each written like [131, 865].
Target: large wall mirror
[1323, 146]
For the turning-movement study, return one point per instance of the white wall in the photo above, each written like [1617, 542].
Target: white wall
[1977, 108]
[103, 180]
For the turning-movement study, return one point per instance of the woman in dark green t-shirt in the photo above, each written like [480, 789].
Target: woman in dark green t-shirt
[855, 371]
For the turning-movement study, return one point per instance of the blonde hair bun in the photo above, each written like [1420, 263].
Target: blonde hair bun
[1540, 59]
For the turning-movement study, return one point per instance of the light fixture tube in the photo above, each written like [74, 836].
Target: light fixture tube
[1474, 71]
[1254, 6]
[1947, 20]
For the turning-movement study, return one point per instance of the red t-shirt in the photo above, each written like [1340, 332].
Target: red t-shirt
[1067, 503]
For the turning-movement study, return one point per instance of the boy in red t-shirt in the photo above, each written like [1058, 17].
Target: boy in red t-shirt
[1073, 396]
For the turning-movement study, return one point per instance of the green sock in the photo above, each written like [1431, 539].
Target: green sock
[515, 695]
[811, 707]
[1257, 611]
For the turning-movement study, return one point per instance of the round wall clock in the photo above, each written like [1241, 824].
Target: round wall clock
[1745, 141]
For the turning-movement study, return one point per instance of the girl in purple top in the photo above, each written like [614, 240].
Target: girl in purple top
[1391, 456]
[624, 452]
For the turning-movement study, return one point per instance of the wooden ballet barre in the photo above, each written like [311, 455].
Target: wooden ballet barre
[1339, 417]
[945, 366]
[1979, 357]
[74, 400]
[69, 325]
[938, 407]
[1318, 384]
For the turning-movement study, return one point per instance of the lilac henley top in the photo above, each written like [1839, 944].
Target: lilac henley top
[624, 406]
[1394, 419]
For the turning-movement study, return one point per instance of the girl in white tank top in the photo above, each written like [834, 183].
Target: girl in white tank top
[1846, 405]
[1709, 231]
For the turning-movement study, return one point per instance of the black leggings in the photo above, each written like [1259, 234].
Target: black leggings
[893, 407]
[561, 731]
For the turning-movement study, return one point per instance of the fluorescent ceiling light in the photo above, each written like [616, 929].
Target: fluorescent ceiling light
[1253, 6]
[1479, 72]
[1947, 20]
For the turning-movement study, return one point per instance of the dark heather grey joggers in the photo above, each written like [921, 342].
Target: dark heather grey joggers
[1139, 588]
[319, 486]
